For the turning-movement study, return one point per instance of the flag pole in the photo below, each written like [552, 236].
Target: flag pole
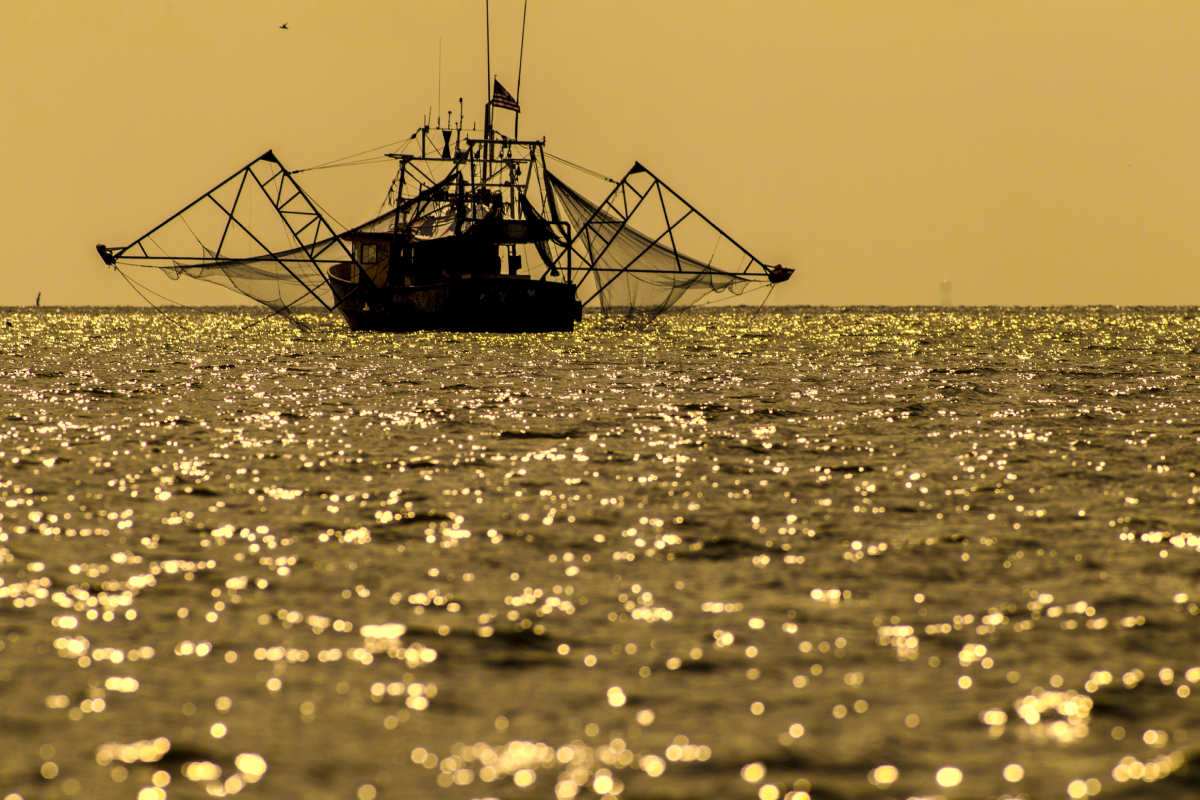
[488, 28]
[487, 108]
[520, 64]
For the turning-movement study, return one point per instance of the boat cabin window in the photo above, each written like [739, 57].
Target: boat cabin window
[367, 254]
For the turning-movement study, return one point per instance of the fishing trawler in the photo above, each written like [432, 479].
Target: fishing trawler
[475, 234]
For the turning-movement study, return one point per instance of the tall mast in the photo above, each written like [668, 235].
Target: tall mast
[487, 107]
[520, 64]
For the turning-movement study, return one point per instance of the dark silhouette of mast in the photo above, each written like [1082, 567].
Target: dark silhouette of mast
[520, 64]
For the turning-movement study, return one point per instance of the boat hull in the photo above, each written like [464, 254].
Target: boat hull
[492, 303]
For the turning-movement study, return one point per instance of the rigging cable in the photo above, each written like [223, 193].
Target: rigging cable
[183, 219]
[375, 160]
[331, 218]
[719, 298]
[335, 161]
[284, 312]
[770, 289]
[134, 285]
[591, 172]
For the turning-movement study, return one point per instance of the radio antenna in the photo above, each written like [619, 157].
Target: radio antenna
[520, 64]
[488, 28]
[521, 59]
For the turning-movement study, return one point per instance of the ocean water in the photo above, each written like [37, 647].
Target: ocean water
[802, 553]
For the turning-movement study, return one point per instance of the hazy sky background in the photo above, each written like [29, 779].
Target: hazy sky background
[1033, 153]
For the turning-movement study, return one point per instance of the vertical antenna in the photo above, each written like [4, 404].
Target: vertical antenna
[439, 79]
[487, 109]
[520, 64]
[488, 27]
[521, 59]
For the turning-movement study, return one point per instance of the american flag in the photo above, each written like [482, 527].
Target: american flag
[502, 99]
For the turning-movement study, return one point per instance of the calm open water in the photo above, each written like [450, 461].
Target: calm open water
[803, 553]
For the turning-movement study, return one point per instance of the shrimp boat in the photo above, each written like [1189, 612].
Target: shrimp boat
[475, 234]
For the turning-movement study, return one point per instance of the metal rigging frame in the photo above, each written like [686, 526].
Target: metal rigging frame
[609, 213]
[299, 214]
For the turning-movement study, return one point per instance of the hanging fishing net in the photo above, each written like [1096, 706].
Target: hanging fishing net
[257, 233]
[642, 250]
[639, 251]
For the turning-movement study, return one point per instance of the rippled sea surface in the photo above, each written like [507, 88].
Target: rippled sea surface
[804, 553]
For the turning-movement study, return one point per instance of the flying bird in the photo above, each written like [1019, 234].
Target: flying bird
[283, 26]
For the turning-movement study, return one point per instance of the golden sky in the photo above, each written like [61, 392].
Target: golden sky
[1032, 153]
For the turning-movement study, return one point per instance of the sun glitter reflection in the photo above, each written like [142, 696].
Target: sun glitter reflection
[1130, 769]
[754, 772]
[883, 776]
[144, 751]
[248, 768]
[949, 776]
[1073, 707]
[406, 482]
[579, 764]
